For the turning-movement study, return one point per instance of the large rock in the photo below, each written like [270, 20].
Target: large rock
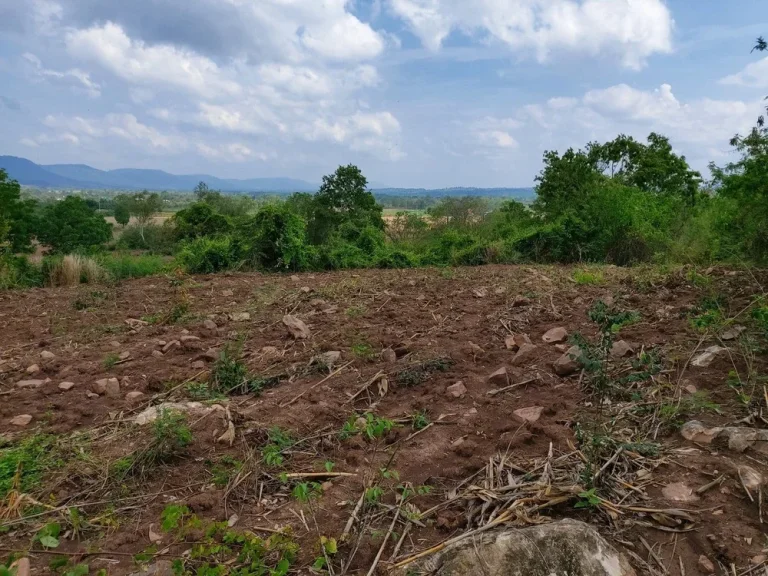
[555, 335]
[525, 354]
[296, 327]
[499, 378]
[514, 341]
[568, 363]
[565, 548]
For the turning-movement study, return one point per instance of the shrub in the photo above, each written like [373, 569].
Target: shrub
[18, 272]
[72, 269]
[209, 255]
[121, 266]
[71, 224]
[276, 239]
[157, 239]
[200, 219]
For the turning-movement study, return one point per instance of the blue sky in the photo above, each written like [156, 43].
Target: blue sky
[426, 93]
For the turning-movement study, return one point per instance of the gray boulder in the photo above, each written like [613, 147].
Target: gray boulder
[565, 548]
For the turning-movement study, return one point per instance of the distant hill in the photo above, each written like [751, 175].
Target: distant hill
[80, 176]
[83, 177]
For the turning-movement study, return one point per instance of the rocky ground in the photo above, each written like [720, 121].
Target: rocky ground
[353, 420]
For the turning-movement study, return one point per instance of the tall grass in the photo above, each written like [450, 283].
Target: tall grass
[73, 269]
[121, 266]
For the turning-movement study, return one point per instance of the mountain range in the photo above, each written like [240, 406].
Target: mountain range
[82, 177]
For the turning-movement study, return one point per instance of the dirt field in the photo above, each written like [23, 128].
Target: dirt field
[469, 449]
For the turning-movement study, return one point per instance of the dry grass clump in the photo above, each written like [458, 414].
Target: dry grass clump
[74, 269]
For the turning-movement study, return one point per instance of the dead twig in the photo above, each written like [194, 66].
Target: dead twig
[331, 375]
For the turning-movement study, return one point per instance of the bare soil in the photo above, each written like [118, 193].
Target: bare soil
[460, 317]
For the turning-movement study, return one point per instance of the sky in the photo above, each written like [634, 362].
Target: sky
[418, 93]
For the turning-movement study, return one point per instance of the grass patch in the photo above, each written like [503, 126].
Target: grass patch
[588, 277]
[370, 426]
[419, 373]
[30, 458]
[364, 351]
[122, 266]
[110, 360]
[610, 318]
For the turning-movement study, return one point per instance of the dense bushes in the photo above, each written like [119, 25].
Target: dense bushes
[71, 225]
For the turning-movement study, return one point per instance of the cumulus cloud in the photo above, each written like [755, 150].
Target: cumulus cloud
[754, 75]
[73, 78]
[631, 29]
[233, 152]
[157, 65]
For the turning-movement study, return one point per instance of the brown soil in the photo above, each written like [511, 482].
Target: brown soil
[424, 314]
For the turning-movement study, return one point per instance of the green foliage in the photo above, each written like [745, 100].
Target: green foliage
[158, 239]
[208, 255]
[588, 277]
[48, 535]
[30, 458]
[18, 272]
[611, 319]
[199, 220]
[370, 426]
[110, 360]
[275, 239]
[170, 435]
[17, 217]
[279, 441]
[419, 420]
[229, 375]
[122, 266]
[71, 225]
[172, 517]
[588, 499]
[122, 213]
[306, 491]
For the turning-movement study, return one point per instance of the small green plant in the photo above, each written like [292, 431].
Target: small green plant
[229, 374]
[355, 311]
[172, 517]
[177, 313]
[279, 441]
[419, 373]
[588, 499]
[364, 351]
[373, 494]
[328, 465]
[760, 315]
[419, 420]
[48, 535]
[306, 491]
[23, 464]
[698, 280]
[371, 426]
[611, 319]
[110, 360]
[708, 316]
[201, 391]
[152, 318]
[588, 277]
[224, 470]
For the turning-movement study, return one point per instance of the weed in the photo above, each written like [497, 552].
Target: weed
[760, 315]
[229, 374]
[364, 351]
[30, 458]
[110, 360]
[419, 420]
[371, 426]
[611, 319]
[355, 311]
[48, 535]
[587, 277]
[447, 273]
[152, 318]
[419, 373]
[708, 315]
[273, 454]
[172, 517]
[201, 391]
[224, 470]
[588, 499]
[306, 491]
[328, 465]
[698, 280]
[373, 494]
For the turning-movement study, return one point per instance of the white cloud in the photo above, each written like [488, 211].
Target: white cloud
[76, 124]
[494, 134]
[234, 152]
[497, 139]
[753, 75]
[74, 78]
[344, 37]
[633, 30]
[295, 79]
[128, 127]
[139, 63]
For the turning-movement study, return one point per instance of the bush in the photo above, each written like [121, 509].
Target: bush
[18, 272]
[200, 219]
[209, 255]
[157, 239]
[121, 266]
[72, 269]
[71, 225]
[275, 239]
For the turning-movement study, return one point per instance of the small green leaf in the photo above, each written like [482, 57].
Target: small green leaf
[49, 541]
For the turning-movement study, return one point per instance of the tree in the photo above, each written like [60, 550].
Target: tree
[459, 212]
[71, 224]
[761, 46]
[17, 216]
[198, 220]
[276, 238]
[143, 206]
[122, 213]
[343, 197]
[565, 182]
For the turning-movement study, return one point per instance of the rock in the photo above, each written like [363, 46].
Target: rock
[21, 567]
[198, 365]
[295, 278]
[104, 384]
[209, 324]
[480, 292]
[296, 327]
[112, 390]
[759, 559]
[169, 345]
[499, 378]
[514, 341]
[115, 344]
[124, 355]
[620, 349]
[227, 293]
[705, 565]
[708, 356]
[240, 316]
[732, 333]
[555, 335]
[306, 289]
[30, 383]
[157, 354]
[456, 390]
[388, 355]
[45, 355]
[150, 414]
[679, 492]
[136, 323]
[526, 353]
[34, 369]
[520, 301]
[751, 478]
[559, 548]
[210, 355]
[568, 363]
[189, 338]
[134, 397]
[65, 386]
[665, 312]
[317, 302]
[690, 388]
[739, 439]
[695, 431]
[530, 414]
[269, 351]
[328, 359]
[21, 420]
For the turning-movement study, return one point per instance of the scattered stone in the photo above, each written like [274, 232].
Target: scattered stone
[679, 492]
[690, 388]
[555, 335]
[46, 355]
[499, 378]
[134, 396]
[210, 355]
[759, 559]
[562, 347]
[480, 292]
[514, 341]
[732, 333]
[708, 356]
[524, 354]
[557, 548]
[568, 363]
[150, 414]
[108, 386]
[295, 278]
[227, 293]
[136, 323]
[124, 355]
[705, 565]
[751, 478]
[306, 289]
[530, 414]
[520, 301]
[89, 394]
[169, 345]
[240, 316]
[209, 324]
[161, 343]
[665, 312]
[695, 431]
[269, 351]
[189, 338]
[30, 383]
[388, 355]
[456, 390]
[198, 365]
[21, 420]
[621, 349]
[739, 439]
[65, 386]
[34, 369]
[296, 327]
[328, 359]
[317, 302]
[157, 354]
[154, 537]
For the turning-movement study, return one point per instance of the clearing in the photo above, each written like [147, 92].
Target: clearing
[305, 447]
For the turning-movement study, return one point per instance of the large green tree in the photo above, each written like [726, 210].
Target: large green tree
[71, 225]
[17, 216]
[565, 183]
